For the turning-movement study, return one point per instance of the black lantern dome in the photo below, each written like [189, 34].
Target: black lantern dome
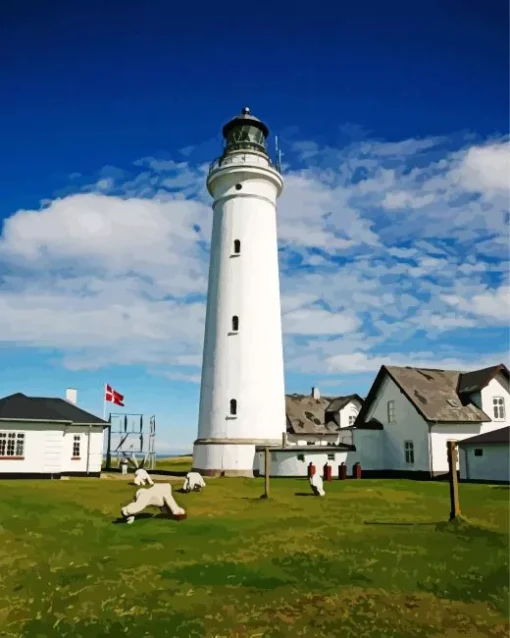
[245, 132]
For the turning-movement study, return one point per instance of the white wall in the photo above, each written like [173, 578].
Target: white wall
[246, 366]
[48, 449]
[409, 426]
[370, 450]
[286, 463]
[440, 434]
[42, 450]
[351, 409]
[497, 387]
[304, 439]
[443, 432]
[68, 464]
[493, 465]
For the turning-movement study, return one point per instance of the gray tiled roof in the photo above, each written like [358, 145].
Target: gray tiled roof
[340, 402]
[477, 379]
[19, 406]
[496, 436]
[435, 393]
[306, 415]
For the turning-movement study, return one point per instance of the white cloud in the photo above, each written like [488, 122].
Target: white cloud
[315, 321]
[403, 245]
[486, 169]
[396, 200]
[359, 362]
[493, 304]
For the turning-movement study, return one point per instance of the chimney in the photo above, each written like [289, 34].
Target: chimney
[315, 393]
[71, 395]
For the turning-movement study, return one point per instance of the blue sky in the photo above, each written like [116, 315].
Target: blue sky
[393, 223]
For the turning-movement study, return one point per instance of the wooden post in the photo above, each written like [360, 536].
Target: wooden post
[452, 478]
[267, 465]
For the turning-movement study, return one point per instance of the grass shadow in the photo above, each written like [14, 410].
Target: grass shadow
[143, 515]
[304, 494]
[463, 528]
[401, 523]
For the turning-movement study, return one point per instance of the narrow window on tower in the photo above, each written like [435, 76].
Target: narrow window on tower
[233, 407]
[235, 323]
[237, 246]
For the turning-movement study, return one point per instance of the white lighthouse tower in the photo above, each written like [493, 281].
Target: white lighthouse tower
[242, 397]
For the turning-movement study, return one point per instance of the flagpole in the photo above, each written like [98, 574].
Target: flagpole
[109, 442]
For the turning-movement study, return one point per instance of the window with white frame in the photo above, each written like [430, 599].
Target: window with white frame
[498, 405]
[352, 418]
[409, 452]
[12, 444]
[331, 457]
[391, 411]
[76, 446]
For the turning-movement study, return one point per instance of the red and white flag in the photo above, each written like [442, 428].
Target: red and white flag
[113, 396]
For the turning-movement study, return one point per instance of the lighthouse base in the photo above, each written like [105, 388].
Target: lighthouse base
[224, 473]
[215, 457]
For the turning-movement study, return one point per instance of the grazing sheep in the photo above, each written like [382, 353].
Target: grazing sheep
[193, 482]
[142, 477]
[159, 495]
[317, 485]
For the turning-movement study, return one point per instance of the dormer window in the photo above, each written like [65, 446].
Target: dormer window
[498, 406]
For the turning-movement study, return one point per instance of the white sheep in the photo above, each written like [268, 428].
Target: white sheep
[193, 482]
[317, 485]
[159, 495]
[142, 477]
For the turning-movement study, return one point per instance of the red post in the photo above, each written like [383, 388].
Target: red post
[356, 471]
[342, 471]
[328, 472]
[311, 469]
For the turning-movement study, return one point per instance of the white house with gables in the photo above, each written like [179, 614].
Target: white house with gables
[48, 438]
[410, 414]
[316, 420]
[319, 431]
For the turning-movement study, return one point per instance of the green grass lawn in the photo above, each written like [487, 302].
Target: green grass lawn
[175, 464]
[373, 558]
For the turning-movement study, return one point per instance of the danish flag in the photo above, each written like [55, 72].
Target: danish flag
[113, 396]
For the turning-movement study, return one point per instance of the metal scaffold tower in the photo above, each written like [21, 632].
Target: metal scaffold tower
[128, 439]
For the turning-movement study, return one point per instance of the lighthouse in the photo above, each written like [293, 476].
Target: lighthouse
[242, 395]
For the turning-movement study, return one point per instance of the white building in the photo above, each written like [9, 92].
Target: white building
[319, 431]
[411, 413]
[486, 458]
[294, 460]
[48, 438]
[242, 397]
[318, 420]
